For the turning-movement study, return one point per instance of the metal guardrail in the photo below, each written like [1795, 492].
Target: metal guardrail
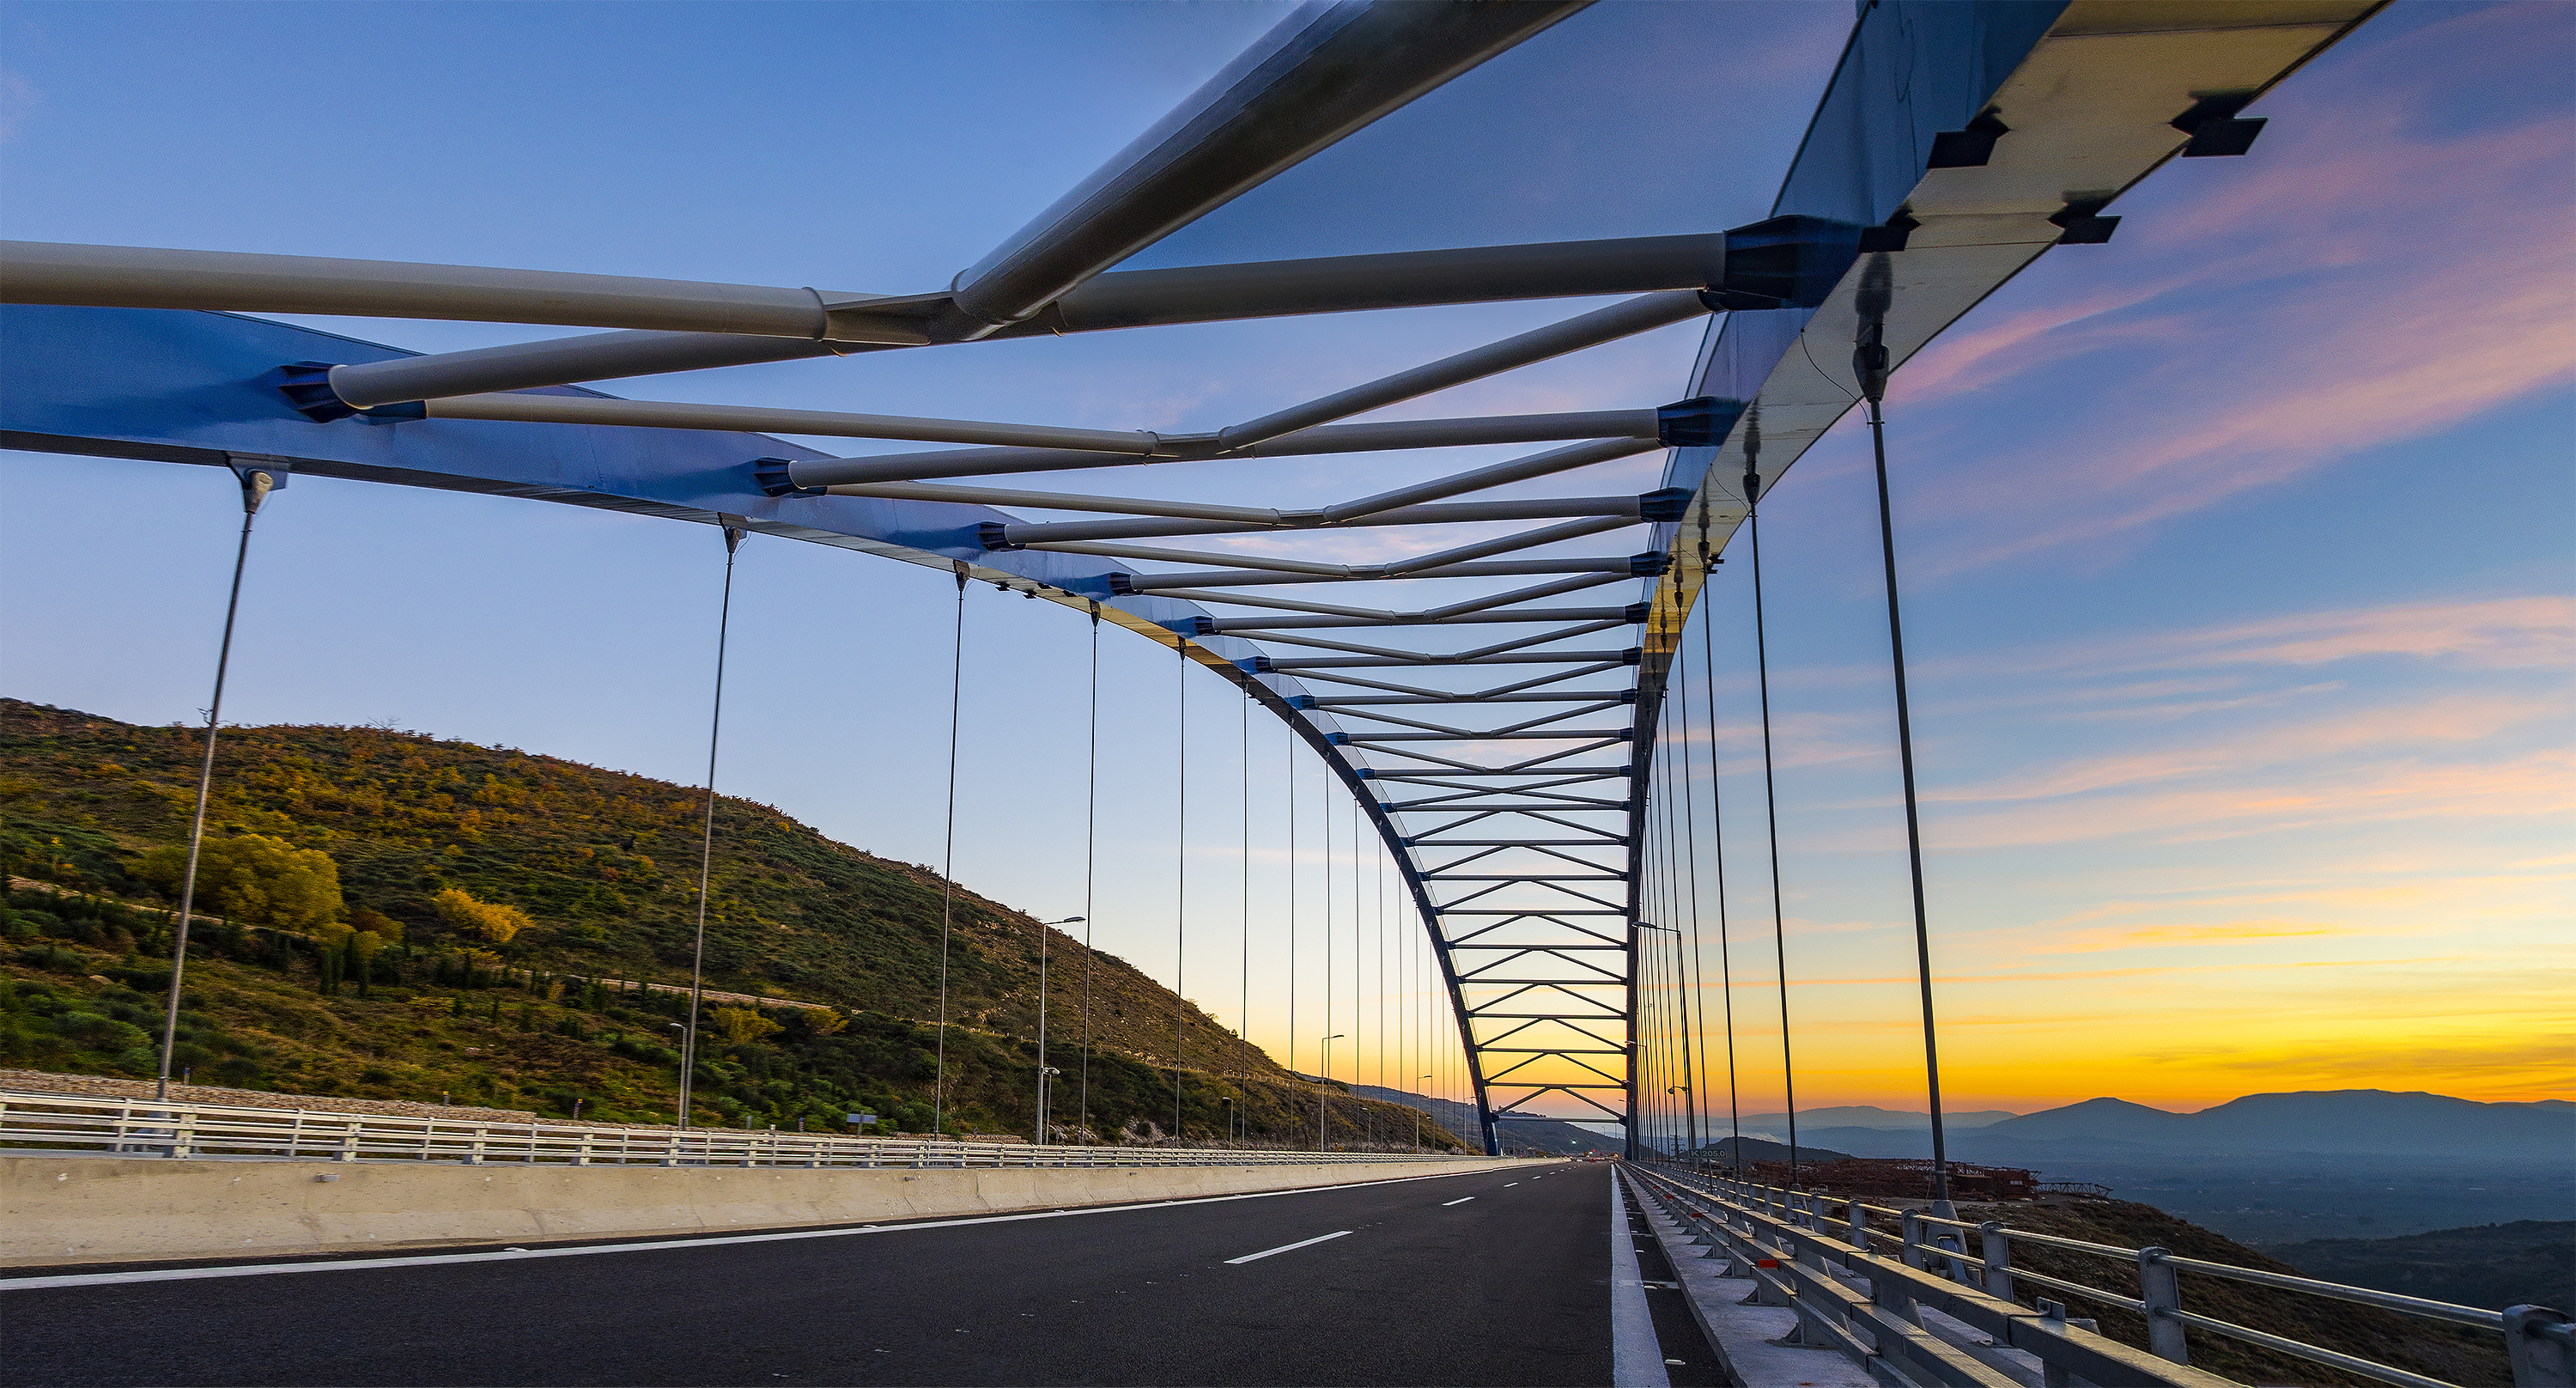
[61, 1124]
[1932, 1268]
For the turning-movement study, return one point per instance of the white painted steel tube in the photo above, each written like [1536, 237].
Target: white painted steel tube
[1544, 508]
[1322, 73]
[1627, 431]
[40, 272]
[1638, 315]
[564, 361]
[659, 414]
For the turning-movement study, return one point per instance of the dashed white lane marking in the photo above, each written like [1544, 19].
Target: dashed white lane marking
[1461, 1200]
[1507, 1185]
[1288, 1247]
[102, 1279]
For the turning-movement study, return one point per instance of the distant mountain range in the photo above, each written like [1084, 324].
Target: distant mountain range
[1542, 1134]
[1870, 1116]
[2371, 1122]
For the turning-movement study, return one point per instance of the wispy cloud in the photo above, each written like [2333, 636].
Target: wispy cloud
[2275, 326]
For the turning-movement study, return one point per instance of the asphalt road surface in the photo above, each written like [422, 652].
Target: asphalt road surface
[1491, 1278]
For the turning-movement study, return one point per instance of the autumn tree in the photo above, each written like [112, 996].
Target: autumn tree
[492, 920]
[253, 879]
[743, 1025]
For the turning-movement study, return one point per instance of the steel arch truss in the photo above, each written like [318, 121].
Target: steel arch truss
[1496, 732]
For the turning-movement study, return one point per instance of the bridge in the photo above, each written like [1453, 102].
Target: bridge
[1519, 744]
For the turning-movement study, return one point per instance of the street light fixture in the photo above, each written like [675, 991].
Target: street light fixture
[1045, 1072]
[1324, 1068]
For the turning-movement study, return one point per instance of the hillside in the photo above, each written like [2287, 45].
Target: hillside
[2491, 1265]
[601, 866]
[2453, 1354]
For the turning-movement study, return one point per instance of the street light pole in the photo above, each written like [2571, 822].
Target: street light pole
[1044, 1072]
[1417, 1120]
[1323, 1069]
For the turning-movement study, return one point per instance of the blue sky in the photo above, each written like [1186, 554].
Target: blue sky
[2237, 548]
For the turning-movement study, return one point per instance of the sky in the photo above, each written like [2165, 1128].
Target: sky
[2236, 550]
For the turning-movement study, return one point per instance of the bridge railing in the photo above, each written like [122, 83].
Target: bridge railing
[59, 1124]
[1791, 1241]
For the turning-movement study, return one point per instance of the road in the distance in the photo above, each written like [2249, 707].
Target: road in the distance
[1429, 1286]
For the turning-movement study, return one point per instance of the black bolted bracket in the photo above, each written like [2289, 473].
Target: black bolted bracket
[1700, 422]
[990, 534]
[1891, 237]
[1338, 739]
[1636, 612]
[1301, 702]
[1651, 564]
[1627, 696]
[1632, 656]
[1192, 626]
[307, 388]
[771, 476]
[1257, 665]
[2216, 131]
[1969, 148]
[1785, 262]
[1666, 504]
[2084, 223]
[1120, 585]
[1737, 300]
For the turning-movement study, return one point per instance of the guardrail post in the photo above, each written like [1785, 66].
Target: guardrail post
[2051, 1373]
[2541, 1346]
[1857, 1220]
[581, 1153]
[183, 1135]
[1997, 1246]
[474, 1150]
[2159, 1287]
[1912, 1250]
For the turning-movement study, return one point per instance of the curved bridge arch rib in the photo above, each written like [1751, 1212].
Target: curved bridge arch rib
[1505, 768]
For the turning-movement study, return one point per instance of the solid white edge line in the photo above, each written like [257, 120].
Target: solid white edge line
[1287, 1248]
[1636, 1355]
[105, 1279]
[1461, 1200]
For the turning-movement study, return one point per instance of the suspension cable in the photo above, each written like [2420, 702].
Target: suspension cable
[1870, 365]
[1090, 843]
[1180, 879]
[1690, 959]
[255, 487]
[707, 837]
[1243, 1004]
[1717, 838]
[948, 856]
[1289, 756]
[1771, 797]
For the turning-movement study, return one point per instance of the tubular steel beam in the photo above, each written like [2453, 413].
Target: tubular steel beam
[1643, 314]
[1228, 578]
[1322, 73]
[40, 272]
[1643, 426]
[1454, 513]
[658, 414]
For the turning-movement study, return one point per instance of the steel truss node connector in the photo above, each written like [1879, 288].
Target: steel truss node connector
[771, 474]
[307, 387]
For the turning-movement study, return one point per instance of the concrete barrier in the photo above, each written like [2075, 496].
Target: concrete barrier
[57, 1210]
